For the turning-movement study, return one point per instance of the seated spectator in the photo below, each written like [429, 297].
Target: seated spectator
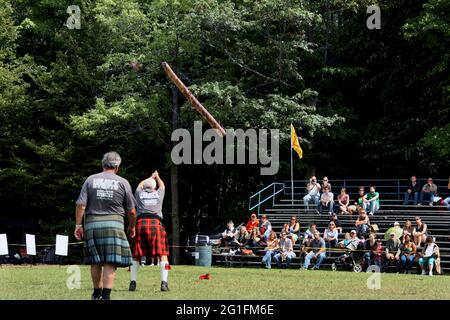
[285, 228]
[407, 229]
[447, 200]
[407, 254]
[337, 223]
[393, 252]
[265, 227]
[343, 201]
[378, 255]
[312, 193]
[326, 201]
[254, 239]
[229, 235]
[330, 236]
[294, 228]
[412, 192]
[286, 252]
[325, 183]
[252, 223]
[372, 201]
[428, 193]
[430, 252]
[362, 224]
[369, 248]
[270, 249]
[420, 232]
[344, 243]
[397, 229]
[309, 235]
[241, 237]
[359, 203]
[350, 244]
[315, 252]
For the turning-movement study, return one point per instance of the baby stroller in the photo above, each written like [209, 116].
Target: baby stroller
[350, 260]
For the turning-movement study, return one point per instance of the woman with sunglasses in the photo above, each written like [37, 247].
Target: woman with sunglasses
[294, 228]
[330, 236]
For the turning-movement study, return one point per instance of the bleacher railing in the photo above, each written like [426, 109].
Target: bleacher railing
[389, 189]
[268, 193]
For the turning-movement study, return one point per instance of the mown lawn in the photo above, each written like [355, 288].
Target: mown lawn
[49, 282]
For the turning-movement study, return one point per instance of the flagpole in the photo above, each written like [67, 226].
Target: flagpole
[292, 174]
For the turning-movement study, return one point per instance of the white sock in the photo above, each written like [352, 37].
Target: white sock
[164, 272]
[430, 273]
[134, 270]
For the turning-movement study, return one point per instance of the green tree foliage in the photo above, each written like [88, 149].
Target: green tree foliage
[367, 103]
[432, 30]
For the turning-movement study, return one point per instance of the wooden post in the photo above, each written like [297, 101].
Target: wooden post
[193, 100]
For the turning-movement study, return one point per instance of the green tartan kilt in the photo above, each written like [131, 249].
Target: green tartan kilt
[106, 241]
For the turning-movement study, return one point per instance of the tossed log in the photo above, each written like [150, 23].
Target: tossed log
[193, 100]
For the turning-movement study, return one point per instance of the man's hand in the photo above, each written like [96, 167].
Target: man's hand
[79, 233]
[131, 232]
[409, 190]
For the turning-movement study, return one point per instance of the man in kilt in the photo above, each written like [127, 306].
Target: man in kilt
[151, 237]
[104, 199]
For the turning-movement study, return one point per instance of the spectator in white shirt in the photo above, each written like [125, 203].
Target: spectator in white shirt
[330, 236]
[286, 252]
[312, 192]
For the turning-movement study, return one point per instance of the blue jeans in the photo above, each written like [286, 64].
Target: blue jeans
[267, 234]
[329, 245]
[368, 258]
[277, 258]
[371, 207]
[267, 259]
[310, 256]
[408, 196]
[426, 196]
[308, 198]
[329, 207]
[407, 261]
[447, 202]
[362, 229]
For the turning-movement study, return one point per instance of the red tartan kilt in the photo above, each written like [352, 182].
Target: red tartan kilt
[151, 239]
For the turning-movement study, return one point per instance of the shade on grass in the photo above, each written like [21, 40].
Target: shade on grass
[49, 282]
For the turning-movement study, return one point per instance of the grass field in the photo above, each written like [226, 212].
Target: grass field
[49, 282]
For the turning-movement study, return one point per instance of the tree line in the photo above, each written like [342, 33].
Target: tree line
[366, 103]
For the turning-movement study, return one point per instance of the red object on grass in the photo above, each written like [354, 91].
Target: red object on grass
[168, 267]
[205, 277]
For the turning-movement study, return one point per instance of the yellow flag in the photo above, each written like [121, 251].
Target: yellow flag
[294, 143]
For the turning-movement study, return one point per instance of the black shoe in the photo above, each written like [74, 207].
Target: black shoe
[132, 286]
[164, 286]
[96, 298]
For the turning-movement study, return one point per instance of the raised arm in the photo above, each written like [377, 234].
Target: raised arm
[159, 181]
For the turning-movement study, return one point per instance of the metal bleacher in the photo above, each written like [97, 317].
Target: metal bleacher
[277, 203]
